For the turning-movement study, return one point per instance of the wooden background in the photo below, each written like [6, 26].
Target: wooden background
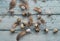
[51, 22]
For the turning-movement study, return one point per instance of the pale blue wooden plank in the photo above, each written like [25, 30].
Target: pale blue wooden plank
[54, 5]
[7, 36]
[51, 22]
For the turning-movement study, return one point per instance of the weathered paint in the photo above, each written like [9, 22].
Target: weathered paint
[51, 22]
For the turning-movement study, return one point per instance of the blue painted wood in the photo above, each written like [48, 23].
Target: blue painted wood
[7, 36]
[51, 22]
[45, 6]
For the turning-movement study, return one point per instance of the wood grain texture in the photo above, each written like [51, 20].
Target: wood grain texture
[51, 22]
[7, 36]
[54, 6]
